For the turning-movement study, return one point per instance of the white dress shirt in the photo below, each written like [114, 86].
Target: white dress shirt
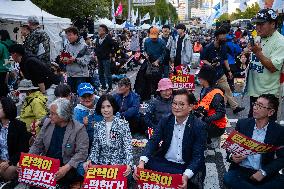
[174, 153]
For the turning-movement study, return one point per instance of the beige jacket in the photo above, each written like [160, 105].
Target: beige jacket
[75, 143]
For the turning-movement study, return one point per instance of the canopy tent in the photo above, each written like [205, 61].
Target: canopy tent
[104, 21]
[108, 23]
[14, 13]
[145, 26]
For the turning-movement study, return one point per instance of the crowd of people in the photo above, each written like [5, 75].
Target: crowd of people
[70, 111]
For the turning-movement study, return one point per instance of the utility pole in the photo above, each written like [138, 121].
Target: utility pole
[129, 10]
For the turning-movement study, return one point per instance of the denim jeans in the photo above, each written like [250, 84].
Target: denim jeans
[73, 82]
[105, 73]
[240, 178]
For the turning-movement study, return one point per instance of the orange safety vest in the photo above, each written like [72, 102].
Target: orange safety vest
[206, 101]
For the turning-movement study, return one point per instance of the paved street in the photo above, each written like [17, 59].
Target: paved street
[216, 164]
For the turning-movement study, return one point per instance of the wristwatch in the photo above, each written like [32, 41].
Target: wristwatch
[263, 172]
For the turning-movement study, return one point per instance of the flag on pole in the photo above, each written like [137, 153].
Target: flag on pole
[154, 21]
[136, 15]
[217, 6]
[119, 10]
[146, 17]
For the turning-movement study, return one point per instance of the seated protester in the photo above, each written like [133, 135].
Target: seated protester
[161, 106]
[35, 70]
[211, 105]
[112, 138]
[85, 111]
[259, 170]
[34, 106]
[129, 103]
[14, 139]
[65, 139]
[184, 139]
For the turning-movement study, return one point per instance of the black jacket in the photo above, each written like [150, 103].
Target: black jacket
[38, 72]
[104, 50]
[193, 144]
[17, 140]
[274, 136]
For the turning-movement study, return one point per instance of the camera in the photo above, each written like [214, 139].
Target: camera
[200, 111]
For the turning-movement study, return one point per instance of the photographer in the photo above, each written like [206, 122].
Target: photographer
[215, 55]
[211, 107]
[266, 59]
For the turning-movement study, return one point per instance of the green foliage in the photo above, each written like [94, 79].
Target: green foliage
[102, 8]
[249, 13]
[74, 8]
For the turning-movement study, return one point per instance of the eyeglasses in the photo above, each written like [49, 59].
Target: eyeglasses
[179, 105]
[259, 106]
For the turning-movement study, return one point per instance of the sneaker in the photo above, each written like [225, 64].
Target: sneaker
[238, 109]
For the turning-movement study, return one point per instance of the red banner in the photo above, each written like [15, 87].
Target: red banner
[153, 179]
[182, 78]
[38, 170]
[240, 144]
[105, 176]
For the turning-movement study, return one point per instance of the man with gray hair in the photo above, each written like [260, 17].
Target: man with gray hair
[65, 139]
[37, 43]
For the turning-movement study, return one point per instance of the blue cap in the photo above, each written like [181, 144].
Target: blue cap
[85, 88]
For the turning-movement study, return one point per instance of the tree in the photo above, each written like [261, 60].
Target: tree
[249, 13]
[75, 8]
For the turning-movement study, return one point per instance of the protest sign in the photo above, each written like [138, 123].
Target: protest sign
[240, 144]
[158, 180]
[182, 78]
[38, 170]
[105, 176]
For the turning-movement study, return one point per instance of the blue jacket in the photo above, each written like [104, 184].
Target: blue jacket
[193, 145]
[130, 107]
[233, 50]
[80, 112]
[274, 136]
[155, 49]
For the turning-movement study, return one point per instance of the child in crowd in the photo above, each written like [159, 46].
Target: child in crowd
[84, 112]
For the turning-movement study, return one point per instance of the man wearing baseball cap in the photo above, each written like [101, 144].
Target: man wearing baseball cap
[37, 43]
[267, 57]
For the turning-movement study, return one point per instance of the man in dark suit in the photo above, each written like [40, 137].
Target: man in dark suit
[182, 150]
[260, 171]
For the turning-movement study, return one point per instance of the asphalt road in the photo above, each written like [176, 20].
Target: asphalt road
[216, 164]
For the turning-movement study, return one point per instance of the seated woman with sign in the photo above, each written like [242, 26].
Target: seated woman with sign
[14, 139]
[161, 106]
[65, 139]
[112, 138]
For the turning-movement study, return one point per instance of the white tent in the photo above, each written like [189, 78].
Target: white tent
[145, 26]
[104, 21]
[13, 13]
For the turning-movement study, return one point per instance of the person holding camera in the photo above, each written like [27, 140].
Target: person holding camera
[266, 59]
[215, 55]
[211, 107]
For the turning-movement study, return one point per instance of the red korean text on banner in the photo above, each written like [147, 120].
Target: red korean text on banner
[182, 78]
[240, 144]
[38, 170]
[105, 176]
[158, 180]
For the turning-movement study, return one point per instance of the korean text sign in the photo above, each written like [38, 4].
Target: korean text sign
[240, 144]
[105, 176]
[38, 170]
[182, 78]
[158, 180]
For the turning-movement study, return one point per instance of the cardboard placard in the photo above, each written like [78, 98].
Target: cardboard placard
[38, 170]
